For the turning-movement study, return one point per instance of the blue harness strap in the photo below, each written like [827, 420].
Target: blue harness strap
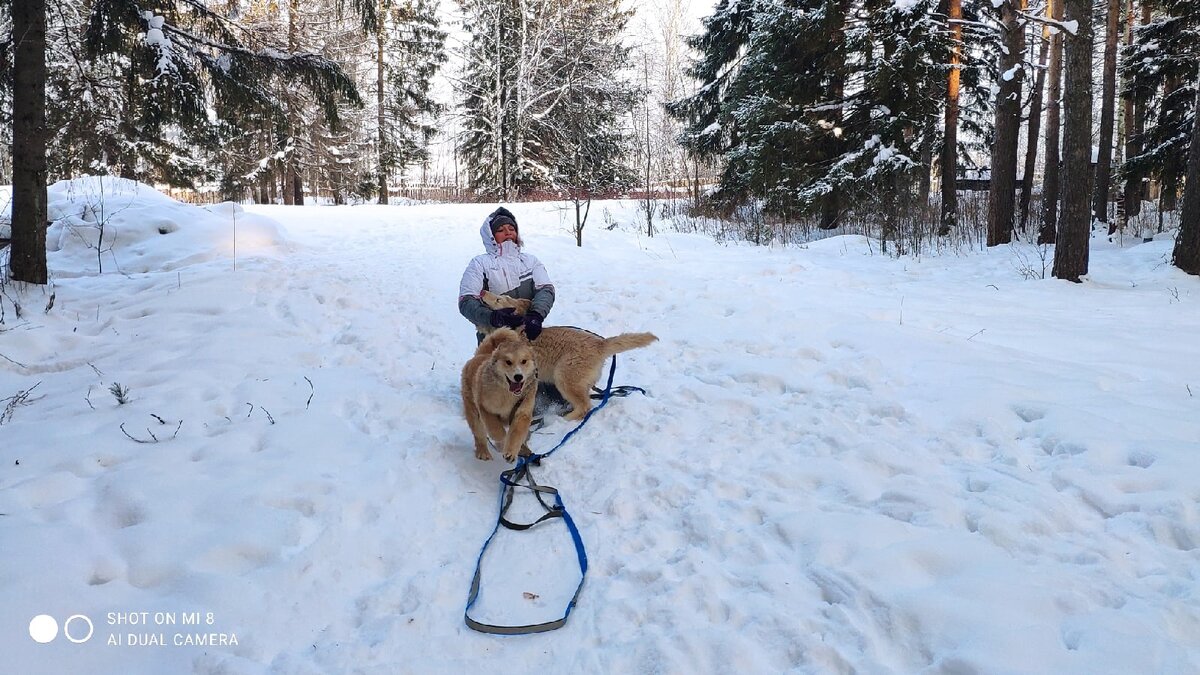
[510, 481]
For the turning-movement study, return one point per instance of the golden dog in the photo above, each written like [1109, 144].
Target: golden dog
[499, 385]
[571, 358]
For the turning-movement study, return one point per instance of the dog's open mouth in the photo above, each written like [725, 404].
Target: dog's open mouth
[516, 387]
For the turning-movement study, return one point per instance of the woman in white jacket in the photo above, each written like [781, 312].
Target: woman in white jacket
[504, 269]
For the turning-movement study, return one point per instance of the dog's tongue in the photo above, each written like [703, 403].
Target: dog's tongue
[515, 387]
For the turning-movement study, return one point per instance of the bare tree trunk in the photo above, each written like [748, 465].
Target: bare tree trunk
[1135, 125]
[285, 186]
[28, 254]
[501, 94]
[949, 158]
[695, 182]
[293, 193]
[1050, 197]
[926, 168]
[831, 203]
[649, 203]
[1108, 109]
[1169, 178]
[379, 98]
[1001, 195]
[1186, 255]
[1034, 129]
[1071, 250]
[261, 193]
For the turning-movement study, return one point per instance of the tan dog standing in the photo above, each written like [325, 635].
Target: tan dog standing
[499, 385]
[571, 358]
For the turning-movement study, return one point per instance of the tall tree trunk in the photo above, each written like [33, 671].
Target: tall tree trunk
[1049, 229]
[499, 126]
[285, 185]
[923, 179]
[28, 254]
[1034, 129]
[831, 203]
[949, 157]
[379, 97]
[1169, 180]
[1074, 234]
[1108, 109]
[1001, 194]
[293, 193]
[1186, 255]
[1135, 126]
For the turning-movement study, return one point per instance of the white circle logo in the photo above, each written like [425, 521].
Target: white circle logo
[67, 628]
[43, 628]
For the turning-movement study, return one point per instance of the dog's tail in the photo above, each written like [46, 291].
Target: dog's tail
[626, 341]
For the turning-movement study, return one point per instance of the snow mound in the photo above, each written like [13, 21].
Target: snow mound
[102, 224]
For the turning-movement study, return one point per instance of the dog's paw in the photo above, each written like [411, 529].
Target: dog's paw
[484, 455]
[510, 457]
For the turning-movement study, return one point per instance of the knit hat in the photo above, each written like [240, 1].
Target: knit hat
[502, 216]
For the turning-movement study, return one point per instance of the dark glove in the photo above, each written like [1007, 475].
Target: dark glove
[506, 318]
[533, 325]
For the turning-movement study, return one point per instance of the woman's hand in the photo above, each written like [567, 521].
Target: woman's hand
[506, 318]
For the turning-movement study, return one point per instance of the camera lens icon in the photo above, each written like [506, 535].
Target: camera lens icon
[43, 628]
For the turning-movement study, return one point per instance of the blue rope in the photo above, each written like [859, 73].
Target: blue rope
[509, 481]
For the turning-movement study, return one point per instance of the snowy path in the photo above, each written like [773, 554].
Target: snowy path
[846, 463]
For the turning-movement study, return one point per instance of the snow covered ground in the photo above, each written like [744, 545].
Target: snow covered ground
[846, 463]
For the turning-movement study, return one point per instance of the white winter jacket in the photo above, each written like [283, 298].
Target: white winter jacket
[504, 270]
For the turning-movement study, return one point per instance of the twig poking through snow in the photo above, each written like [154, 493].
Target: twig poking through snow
[268, 413]
[11, 361]
[311, 393]
[156, 439]
[976, 333]
[19, 398]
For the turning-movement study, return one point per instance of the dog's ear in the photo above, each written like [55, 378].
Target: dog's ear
[494, 340]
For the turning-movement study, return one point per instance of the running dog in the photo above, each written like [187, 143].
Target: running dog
[571, 358]
[499, 385]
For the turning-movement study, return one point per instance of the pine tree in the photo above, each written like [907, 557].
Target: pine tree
[28, 254]
[411, 48]
[1034, 127]
[1186, 255]
[588, 149]
[185, 61]
[1008, 122]
[1107, 115]
[529, 68]
[707, 113]
[1050, 192]
[949, 154]
[817, 106]
[1135, 117]
[1163, 59]
[1074, 232]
